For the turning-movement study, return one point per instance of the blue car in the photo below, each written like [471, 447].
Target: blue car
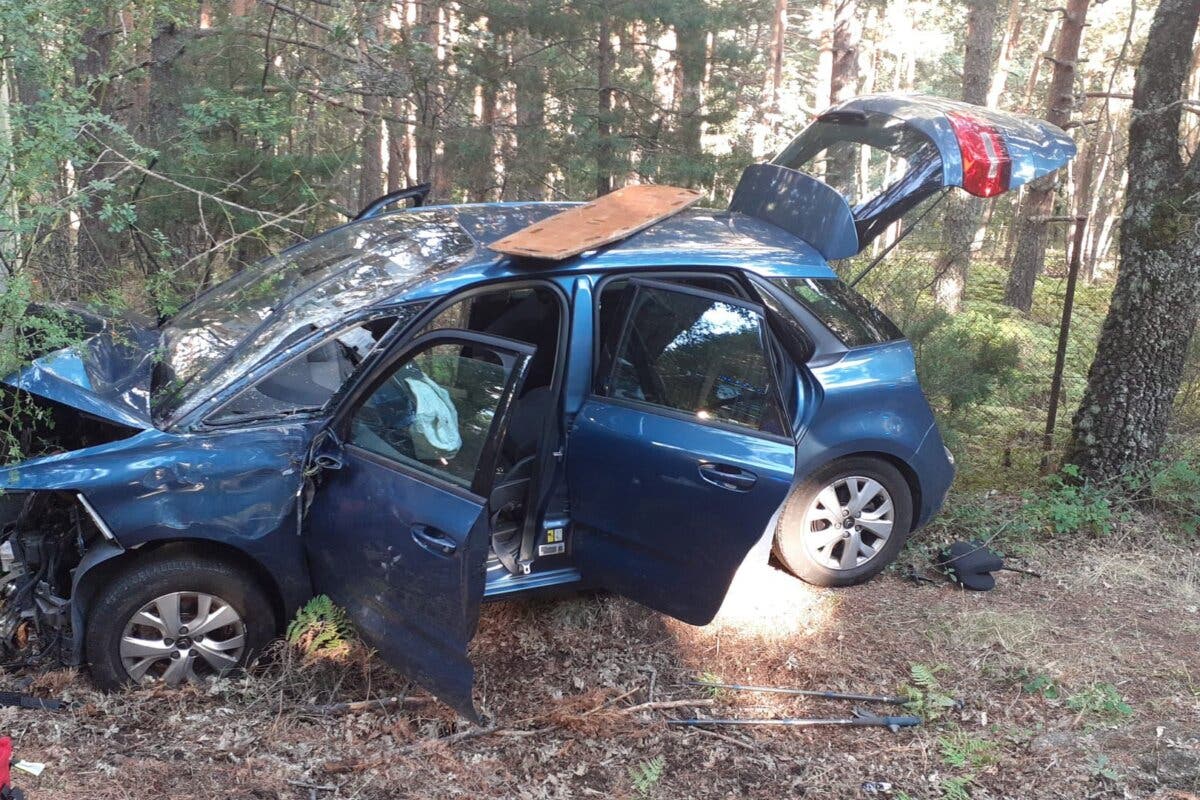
[410, 422]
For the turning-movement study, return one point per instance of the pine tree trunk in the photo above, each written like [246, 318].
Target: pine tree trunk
[97, 247]
[604, 109]
[1031, 228]
[1004, 56]
[841, 167]
[1122, 420]
[528, 170]
[428, 99]
[962, 210]
[691, 52]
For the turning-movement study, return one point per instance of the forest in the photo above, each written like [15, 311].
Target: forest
[150, 149]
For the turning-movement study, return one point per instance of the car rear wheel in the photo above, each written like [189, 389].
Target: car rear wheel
[177, 620]
[844, 523]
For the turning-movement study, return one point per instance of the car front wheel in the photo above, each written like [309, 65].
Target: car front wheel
[176, 620]
[844, 523]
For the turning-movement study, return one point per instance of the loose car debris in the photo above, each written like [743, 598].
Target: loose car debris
[971, 564]
[22, 700]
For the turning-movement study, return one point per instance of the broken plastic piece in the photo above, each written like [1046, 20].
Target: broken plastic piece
[21, 700]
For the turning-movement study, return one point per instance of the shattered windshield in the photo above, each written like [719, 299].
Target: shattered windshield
[287, 298]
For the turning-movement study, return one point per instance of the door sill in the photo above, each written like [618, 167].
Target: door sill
[502, 583]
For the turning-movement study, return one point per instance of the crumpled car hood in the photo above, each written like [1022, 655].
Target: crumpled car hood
[107, 375]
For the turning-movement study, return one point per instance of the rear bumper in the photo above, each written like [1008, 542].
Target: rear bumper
[935, 472]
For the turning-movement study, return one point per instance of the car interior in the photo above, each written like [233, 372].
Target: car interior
[532, 314]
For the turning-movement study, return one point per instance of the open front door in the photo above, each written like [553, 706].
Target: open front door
[883, 154]
[680, 458]
[396, 531]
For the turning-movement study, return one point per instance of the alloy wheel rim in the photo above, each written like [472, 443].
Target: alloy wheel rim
[182, 637]
[848, 523]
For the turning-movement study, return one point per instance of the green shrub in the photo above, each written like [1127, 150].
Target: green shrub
[962, 359]
[1100, 700]
[320, 627]
[1067, 505]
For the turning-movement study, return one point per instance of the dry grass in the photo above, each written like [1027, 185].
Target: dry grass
[561, 681]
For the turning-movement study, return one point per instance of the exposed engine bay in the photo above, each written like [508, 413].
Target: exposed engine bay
[43, 537]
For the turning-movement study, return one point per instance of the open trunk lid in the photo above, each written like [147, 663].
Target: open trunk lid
[883, 154]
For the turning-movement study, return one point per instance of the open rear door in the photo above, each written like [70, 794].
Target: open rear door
[884, 154]
[678, 461]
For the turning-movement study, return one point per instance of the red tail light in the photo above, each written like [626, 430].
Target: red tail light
[986, 164]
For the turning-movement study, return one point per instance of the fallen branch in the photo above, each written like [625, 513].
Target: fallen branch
[358, 706]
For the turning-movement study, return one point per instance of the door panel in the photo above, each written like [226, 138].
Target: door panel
[675, 472]
[649, 523]
[416, 605]
[396, 531]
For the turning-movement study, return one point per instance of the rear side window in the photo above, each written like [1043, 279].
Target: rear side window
[844, 311]
[696, 355]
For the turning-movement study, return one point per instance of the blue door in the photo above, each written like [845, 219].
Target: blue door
[395, 532]
[679, 459]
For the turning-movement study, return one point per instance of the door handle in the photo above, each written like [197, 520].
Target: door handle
[434, 540]
[727, 476]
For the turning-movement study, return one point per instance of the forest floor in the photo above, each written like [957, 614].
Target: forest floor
[1083, 683]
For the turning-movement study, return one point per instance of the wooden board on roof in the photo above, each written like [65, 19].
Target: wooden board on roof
[604, 220]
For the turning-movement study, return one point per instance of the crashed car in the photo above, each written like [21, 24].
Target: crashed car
[399, 417]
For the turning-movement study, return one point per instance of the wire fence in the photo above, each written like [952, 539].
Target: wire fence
[987, 368]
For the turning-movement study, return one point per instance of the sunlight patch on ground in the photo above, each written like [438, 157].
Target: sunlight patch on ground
[768, 602]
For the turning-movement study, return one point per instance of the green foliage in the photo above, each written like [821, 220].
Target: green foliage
[1103, 769]
[320, 627]
[711, 677]
[1065, 505]
[926, 698]
[646, 775]
[1174, 486]
[1042, 685]
[962, 359]
[957, 788]
[961, 750]
[1100, 700]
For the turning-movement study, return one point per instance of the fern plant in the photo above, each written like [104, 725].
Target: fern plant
[926, 698]
[320, 626]
[960, 749]
[646, 775]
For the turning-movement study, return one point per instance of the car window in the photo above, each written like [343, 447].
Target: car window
[697, 355]
[844, 311]
[307, 381]
[434, 412]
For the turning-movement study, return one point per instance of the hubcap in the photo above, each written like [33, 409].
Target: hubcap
[182, 636]
[848, 523]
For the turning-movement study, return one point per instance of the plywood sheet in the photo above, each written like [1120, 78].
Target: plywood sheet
[604, 220]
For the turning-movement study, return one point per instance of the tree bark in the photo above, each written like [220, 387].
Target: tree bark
[429, 98]
[96, 248]
[1038, 203]
[1122, 420]
[370, 175]
[1004, 56]
[604, 109]
[963, 211]
[526, 176]
[841, 166]
[691, 52]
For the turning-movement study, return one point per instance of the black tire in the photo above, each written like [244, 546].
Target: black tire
[117, 601]
[790, 548]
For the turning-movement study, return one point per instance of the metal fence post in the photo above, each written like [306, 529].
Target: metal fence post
[1064, 332]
